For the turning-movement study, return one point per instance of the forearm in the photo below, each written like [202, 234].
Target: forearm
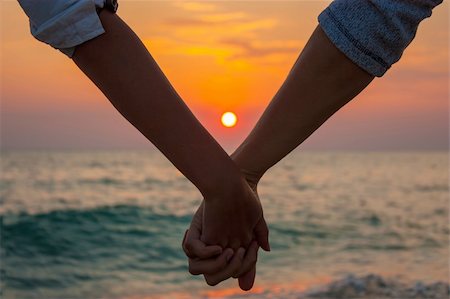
[122, 68]
[320, 83]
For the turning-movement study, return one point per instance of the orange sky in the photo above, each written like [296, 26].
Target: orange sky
[220, 56]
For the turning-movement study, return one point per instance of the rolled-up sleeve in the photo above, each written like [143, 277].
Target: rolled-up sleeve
[63, 24]
[374, 33]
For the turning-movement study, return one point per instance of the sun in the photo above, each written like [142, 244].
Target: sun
[229, 119]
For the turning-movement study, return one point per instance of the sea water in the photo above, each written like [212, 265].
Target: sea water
[108, 224]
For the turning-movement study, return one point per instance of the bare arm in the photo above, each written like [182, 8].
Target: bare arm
[122, 68]
[321, 82]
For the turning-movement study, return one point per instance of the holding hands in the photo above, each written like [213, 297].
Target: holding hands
[229, 226]
[225, 235]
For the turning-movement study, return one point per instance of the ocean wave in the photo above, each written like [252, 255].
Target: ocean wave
[375, 286]
[61, 249]
[431, 188]
[370, 286]
[85, 235]
[106, 222]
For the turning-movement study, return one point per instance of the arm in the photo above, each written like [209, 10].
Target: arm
[122, 68]
[356, 41]
[322, 81]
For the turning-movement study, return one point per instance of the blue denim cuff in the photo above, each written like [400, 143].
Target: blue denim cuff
[64, 24]
[350, 46]
[374, 33]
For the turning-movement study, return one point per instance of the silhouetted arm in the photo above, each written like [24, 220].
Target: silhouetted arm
[122, 68]
[322, 81]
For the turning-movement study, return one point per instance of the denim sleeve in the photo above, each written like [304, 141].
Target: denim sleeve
[374, 33]
[63, 24]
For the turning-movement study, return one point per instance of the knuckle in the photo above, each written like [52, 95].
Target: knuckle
[235, 268]
[234, 244]
[188, 246]
[185, 250]
[218, 265]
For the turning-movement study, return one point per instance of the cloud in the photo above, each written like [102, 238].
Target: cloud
[225, 17]
[216, 19]
[255, 49]
[186, 22]
[227, 50]
[195, 6]
[169, 46]
[227, 36]
[211, 27]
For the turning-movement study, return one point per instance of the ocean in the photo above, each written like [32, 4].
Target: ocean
[108, 224]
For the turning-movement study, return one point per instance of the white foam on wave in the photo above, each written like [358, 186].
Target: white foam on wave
[363, 287]
[375, 286]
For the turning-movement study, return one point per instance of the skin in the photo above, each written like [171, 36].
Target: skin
[322, 81]
[118, 63]
[214, 266]
[215, 269]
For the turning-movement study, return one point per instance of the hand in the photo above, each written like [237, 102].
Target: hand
[216, 264]
[234, 219]
[207, 260]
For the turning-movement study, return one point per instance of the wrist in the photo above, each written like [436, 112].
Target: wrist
[252, 178]
[251, 175]
[222, 184]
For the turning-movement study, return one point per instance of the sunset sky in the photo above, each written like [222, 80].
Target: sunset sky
[220, 56]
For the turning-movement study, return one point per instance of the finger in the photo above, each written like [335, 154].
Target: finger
[192, 239]
[183, 245]
[262, 234]
[184, 241]
[210, 266]
[232, 268]
[195, 227]
[246, 281]
[197, 249]
[234, 244]
[194, 247]
[250, 259]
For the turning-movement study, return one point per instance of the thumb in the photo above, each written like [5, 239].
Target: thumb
[262, 234]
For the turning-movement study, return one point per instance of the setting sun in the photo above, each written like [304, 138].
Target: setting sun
[229, 119]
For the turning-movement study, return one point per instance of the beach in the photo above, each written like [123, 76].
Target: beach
[108, 224]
